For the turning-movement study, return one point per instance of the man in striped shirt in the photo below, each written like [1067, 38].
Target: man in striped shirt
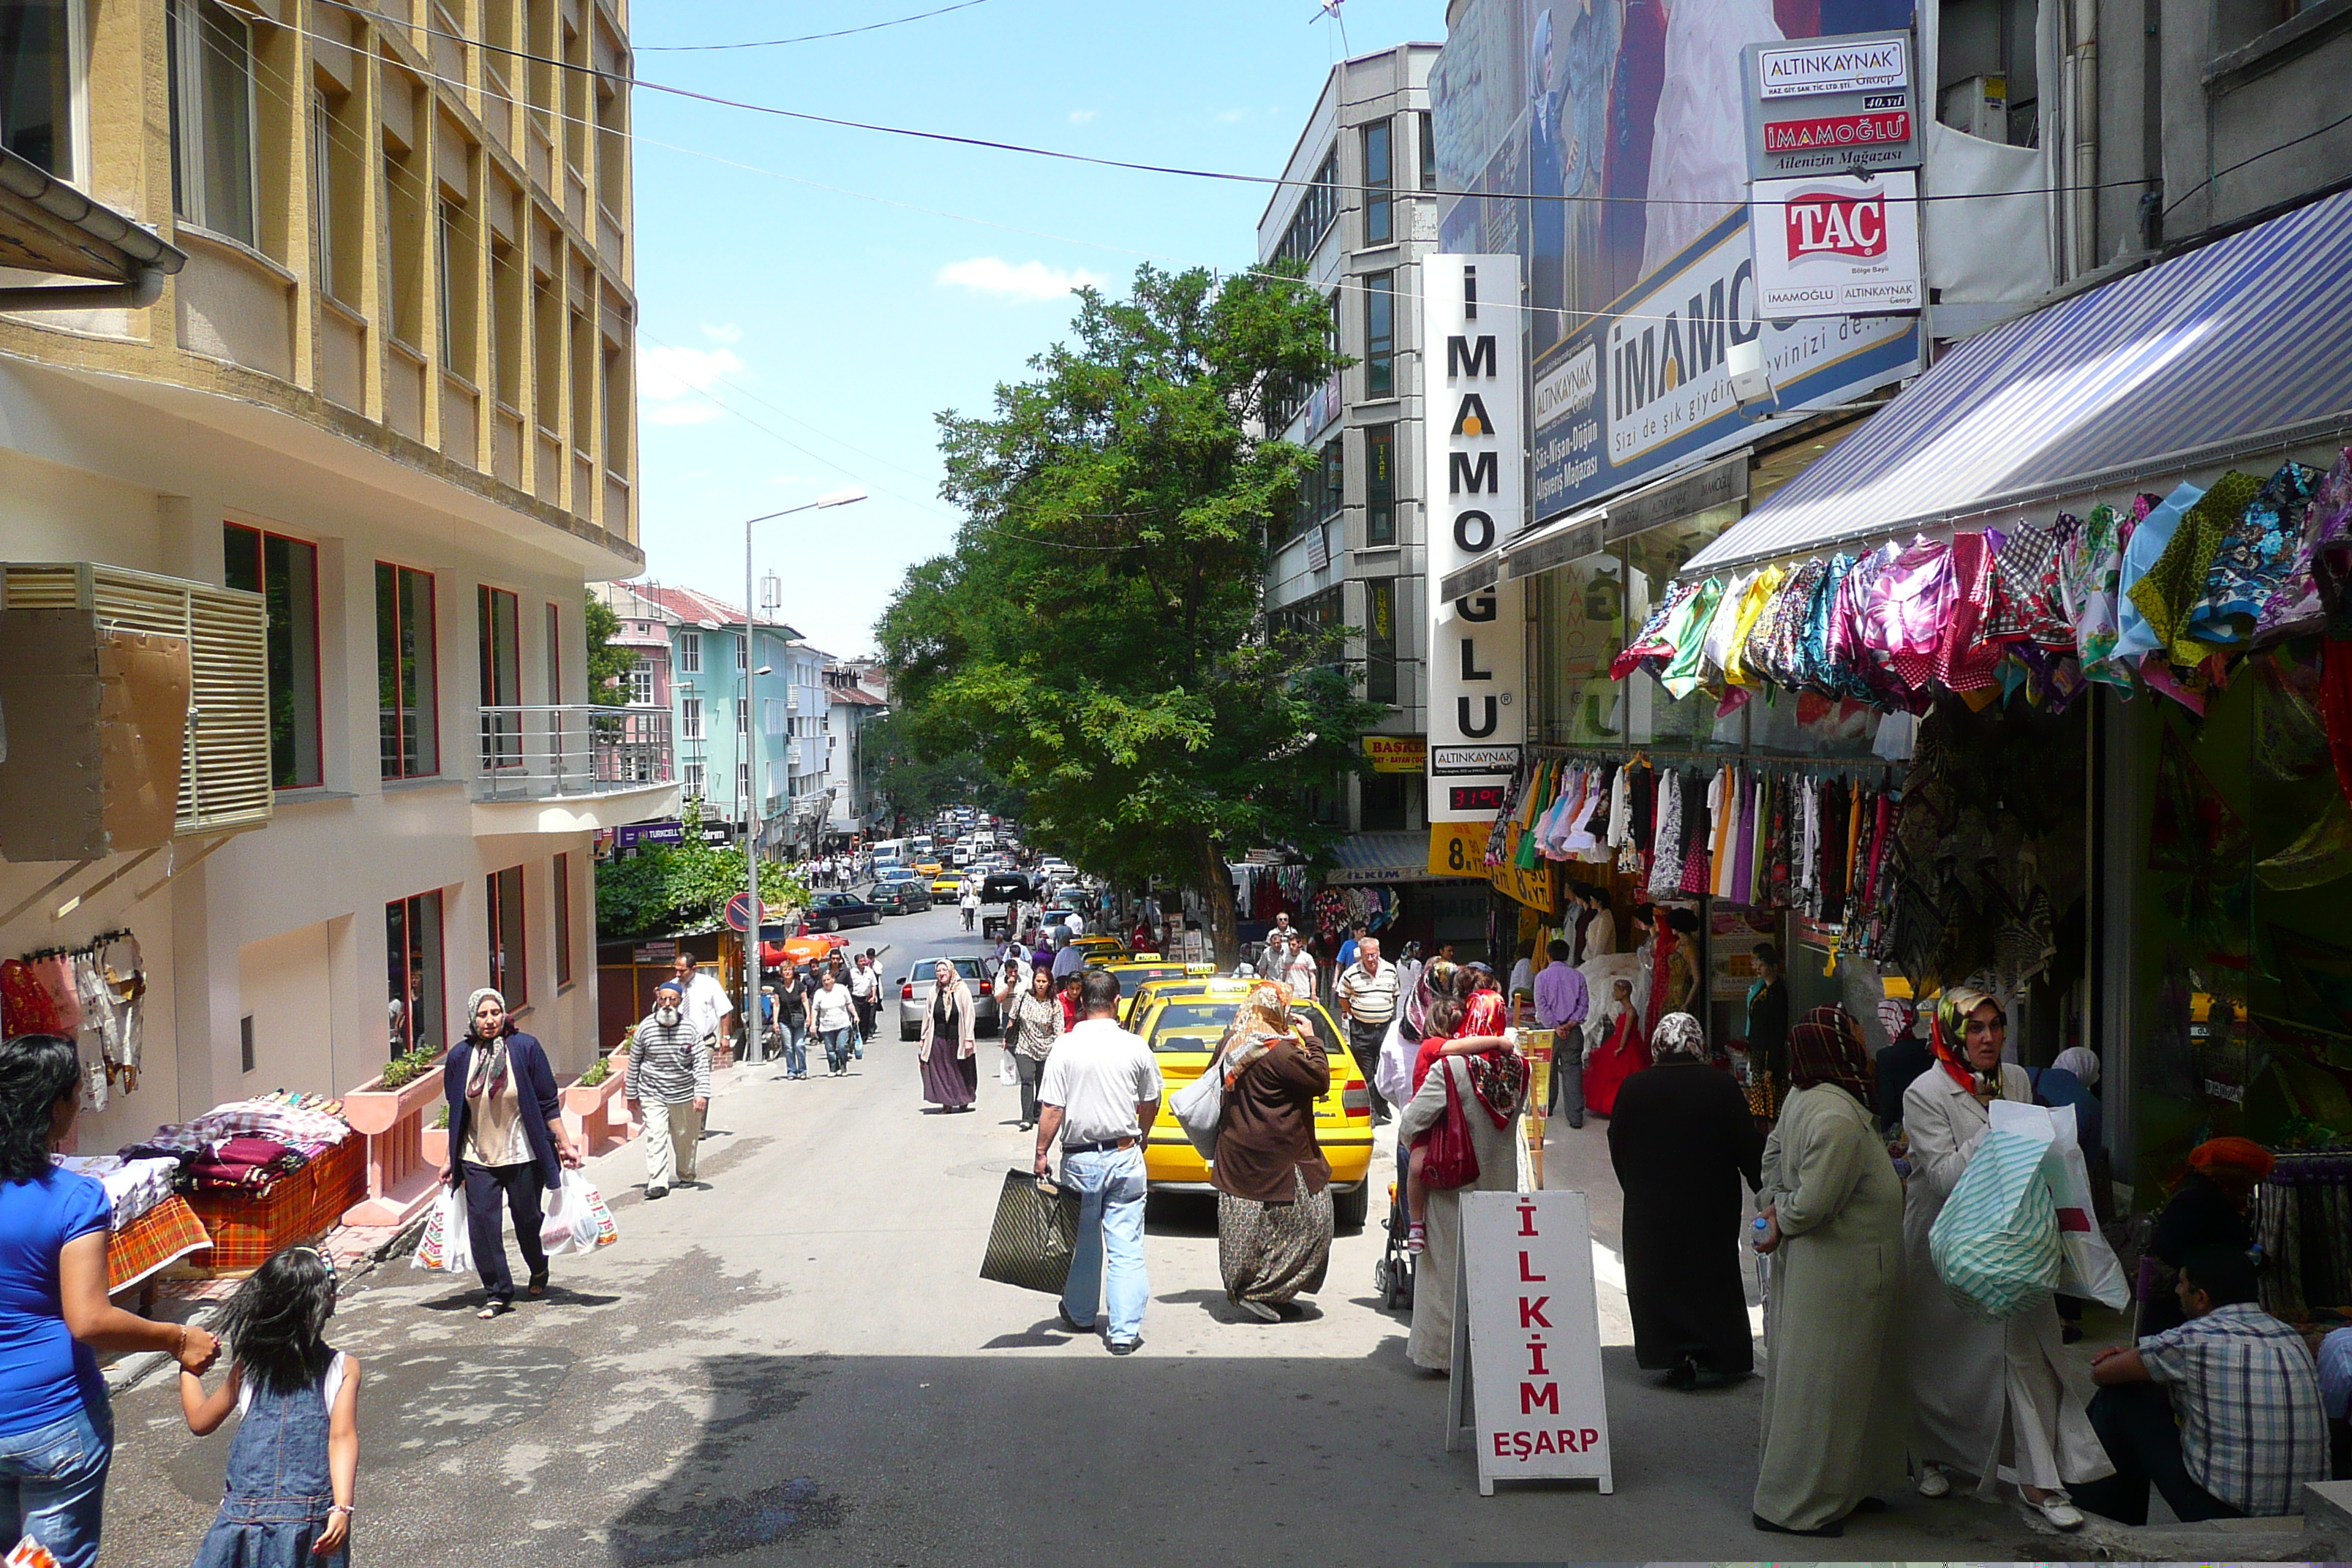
[669, 1088]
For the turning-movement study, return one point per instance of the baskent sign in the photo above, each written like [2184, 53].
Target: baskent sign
[1832, 106]
[1837, 245]
[1526, 1341]
[1397, 754]
[1474, 430]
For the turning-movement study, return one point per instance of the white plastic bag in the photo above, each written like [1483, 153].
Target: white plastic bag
[2088, 1268]
[571, 1223]
[446, 1245]
[1392, 1074]
[1007, 1073]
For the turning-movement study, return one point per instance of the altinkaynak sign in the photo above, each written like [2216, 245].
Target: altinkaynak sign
[1475, 429]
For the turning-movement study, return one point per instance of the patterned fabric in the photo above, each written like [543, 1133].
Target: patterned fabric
[2026, 596]
[156, 1239]
[2295, 608]
[2135, 635]
[1964, 658]
[1272, 1252]
[1813, 665]
[2257, 549]
[2169, 593]
[2252, 1429]
[309, 1130]
[1825, 1046]
[2090, 568]
[132, 1186]
[1652, 643]
[1686, 629]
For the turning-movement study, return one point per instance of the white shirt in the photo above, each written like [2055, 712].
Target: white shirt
[832, 1007]
[1300, 972]
[1077, 927]
[865, 982]
[1098, 1074]
[970, 899]
[705, 1003]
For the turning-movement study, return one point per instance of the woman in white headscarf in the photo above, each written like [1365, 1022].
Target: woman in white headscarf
[506, 1136]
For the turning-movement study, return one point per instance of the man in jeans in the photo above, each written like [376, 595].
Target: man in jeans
[1100, 1095]
[669, 1088]
[1366, 991]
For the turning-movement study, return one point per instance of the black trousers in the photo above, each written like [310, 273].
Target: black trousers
[1032, 1073]
[1364, 1044]
[524, 1191]
[865, 1008]
[2134, 1421]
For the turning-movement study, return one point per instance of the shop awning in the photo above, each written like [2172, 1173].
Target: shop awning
[2240, 348]
[1370, 859]
[1551, 543]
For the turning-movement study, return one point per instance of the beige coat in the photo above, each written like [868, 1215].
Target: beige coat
[1432, 1343]
[960, 1005]
[1837, 1410]
[2001, 1402]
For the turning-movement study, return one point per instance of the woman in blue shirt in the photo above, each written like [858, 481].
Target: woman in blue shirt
[56, 1430]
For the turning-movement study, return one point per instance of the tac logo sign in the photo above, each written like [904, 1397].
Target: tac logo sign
[1475, 439]
[1837, 246]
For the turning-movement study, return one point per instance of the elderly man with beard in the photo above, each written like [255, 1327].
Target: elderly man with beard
[669, 1088]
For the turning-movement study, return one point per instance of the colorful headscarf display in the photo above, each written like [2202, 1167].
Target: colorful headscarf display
[1825, 1046]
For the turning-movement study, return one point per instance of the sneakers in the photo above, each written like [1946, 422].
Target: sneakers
[1125, 1347]
[1416, 1239]
[1934, 1483]
[1263, 1311]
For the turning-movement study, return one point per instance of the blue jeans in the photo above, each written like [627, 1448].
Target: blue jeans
[837, 1046]
[795, 1049]
[1108, 1257]
[53, 1484]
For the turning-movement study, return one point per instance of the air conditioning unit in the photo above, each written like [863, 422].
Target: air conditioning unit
[1978, 105]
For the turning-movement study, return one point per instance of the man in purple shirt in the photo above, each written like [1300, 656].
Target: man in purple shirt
[1560, 1005]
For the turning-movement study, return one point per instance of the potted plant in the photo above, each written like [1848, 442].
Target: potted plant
[587, 1100]
[407, 1082]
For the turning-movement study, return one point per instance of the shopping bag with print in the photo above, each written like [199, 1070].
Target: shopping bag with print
[571, 1224]
[1007, 1073]
[1995, 1245]
[1392, 1073]
[1035, 1233]
[29, 1554]
[2088, 1266]
[444, 1228]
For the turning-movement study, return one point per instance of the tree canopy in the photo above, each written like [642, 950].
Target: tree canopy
[1096, 637]
[679, 889]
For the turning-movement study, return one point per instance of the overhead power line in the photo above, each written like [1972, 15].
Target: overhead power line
[807, 37]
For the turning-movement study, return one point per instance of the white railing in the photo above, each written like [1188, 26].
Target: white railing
[573, 749]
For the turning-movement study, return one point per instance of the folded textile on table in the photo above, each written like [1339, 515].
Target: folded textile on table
[246, 1163]
[296, 1126]
[133, 1185]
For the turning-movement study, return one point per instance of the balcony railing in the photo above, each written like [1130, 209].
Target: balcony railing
[573, 749]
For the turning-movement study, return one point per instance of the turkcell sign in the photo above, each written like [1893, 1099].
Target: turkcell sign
[1476, 435]
[1830, 106]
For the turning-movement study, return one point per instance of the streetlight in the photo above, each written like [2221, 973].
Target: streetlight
[751, 671]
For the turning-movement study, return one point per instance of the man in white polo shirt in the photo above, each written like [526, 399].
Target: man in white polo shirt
[1099, 1096]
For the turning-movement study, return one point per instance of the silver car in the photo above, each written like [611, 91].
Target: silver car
[915, 994]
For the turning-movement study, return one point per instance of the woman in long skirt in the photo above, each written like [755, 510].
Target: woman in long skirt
[950, 1070]
[1274, 1203]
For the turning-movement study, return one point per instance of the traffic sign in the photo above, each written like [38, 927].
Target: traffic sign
[738, 912]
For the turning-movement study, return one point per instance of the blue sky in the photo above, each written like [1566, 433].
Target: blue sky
[809, 298]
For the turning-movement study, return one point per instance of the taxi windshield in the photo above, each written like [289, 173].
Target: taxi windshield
[1197, 1023]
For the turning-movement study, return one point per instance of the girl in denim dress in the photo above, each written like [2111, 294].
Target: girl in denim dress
[295, 1460]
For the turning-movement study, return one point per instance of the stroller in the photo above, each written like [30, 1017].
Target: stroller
[1393, 1275]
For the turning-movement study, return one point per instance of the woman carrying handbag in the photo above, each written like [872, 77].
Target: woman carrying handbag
[1479, 1099]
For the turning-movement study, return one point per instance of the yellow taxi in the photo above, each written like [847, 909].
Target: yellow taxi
[946, 884]
[1183, 1025]
[929, 868]
[1136, 972]
[1100, 948]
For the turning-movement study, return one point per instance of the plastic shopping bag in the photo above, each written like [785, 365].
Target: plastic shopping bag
[2088, 1266]
[446, 1245]
[28, 1553]
[1995, 1245]
[1392, 1074]
[578, 1221]
[1006, 1073]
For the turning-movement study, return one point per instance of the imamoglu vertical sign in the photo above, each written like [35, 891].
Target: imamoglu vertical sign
[1474, 425]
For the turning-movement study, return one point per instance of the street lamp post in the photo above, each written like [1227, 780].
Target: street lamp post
[751, 744]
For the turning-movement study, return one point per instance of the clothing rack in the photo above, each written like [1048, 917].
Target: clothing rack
[103, 939]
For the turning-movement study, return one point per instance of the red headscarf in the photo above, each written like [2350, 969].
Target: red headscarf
[2236, 1165]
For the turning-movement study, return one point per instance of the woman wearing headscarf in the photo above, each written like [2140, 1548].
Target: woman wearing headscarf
[1837, 1412]
[1683, 1142]
[506, 1137]
[1274, 1201]
[1996, 1401]
[1491, 1089]
[1033, 1023]
[2207, 1207]
[2069, 1079]
[951, 1071]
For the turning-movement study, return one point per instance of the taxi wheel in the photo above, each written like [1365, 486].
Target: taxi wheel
[1349, 1210]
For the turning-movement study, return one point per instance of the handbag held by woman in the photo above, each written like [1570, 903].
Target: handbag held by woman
[1449, 1159]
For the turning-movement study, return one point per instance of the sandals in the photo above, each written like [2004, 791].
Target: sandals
[538, 1285]
[495, 1310]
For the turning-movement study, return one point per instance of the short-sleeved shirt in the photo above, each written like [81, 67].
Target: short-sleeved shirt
[46, 1375]
[1098, 1073]
[2252, 1429]
[1372, 998]
[705, 1001]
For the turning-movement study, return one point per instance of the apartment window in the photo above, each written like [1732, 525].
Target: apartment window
[508, 321]
[509, 955]
[562, 916]
[1380, 185]
[742, 644]
[743, 715]
[39, 44]
[743, 785]
[612, 146]
[641, 683]
[405, 213]
[1380, 484]
[692, 779]
[454, 264]
[618, 405]
[499, 635]
[1381, 642]
[554, 655]
[689, 718]
[408, 684]
[1380, 334]
[548, 330]
[1428, 151]
[322, 185]
[1318, 205]
[1382, 803]
[211, 80]
[689, 653]
[416, 989]
[284, 573]
[583, 390]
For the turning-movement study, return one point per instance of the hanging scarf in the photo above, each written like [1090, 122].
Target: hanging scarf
[1949, 1036]
[486, 1074]
[1826, 1047]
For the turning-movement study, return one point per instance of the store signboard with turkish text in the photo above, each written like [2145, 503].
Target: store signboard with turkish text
[1526, 1341]
[1397, 754]
[1838, 244]
[1458, 849]
[1831, 106]
[1474, 430]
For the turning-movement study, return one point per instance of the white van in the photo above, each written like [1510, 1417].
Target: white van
[887, 852]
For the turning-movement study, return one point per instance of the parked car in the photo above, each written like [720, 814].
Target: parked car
[922, 979]
[1003, 888]
[831, 911]
[900, 897]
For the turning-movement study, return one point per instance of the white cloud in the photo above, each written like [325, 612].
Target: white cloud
[1231, 115]
[696, 412]
[1018, 280]
[668, 380]
[724, 332]
[1081, 116]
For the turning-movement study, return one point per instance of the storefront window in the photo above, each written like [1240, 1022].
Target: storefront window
[1581, 625]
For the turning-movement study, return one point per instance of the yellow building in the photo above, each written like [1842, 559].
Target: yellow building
[335, 398]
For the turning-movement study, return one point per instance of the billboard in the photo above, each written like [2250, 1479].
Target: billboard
[1606, 143]
[1836, 245]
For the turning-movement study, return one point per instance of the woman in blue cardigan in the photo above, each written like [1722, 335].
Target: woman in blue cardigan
[506, 1135]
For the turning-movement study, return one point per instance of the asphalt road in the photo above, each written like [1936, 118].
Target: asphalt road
[798, 1364]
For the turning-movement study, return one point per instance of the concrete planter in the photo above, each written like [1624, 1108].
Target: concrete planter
[400, 1179]
[597, 1115]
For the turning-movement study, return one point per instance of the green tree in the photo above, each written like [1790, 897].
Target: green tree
[916, 786]
[1096, 636]
[677, 890]
[608, 666]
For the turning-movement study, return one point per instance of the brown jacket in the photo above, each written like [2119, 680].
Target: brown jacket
[1267, 1130]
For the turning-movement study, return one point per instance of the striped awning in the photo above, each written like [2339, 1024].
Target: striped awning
[1371, 859]
[2241, 347]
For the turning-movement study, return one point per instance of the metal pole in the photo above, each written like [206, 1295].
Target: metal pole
[750, 844]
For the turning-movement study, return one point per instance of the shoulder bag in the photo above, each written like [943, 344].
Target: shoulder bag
[1200, 1107]
[1449, 1159]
